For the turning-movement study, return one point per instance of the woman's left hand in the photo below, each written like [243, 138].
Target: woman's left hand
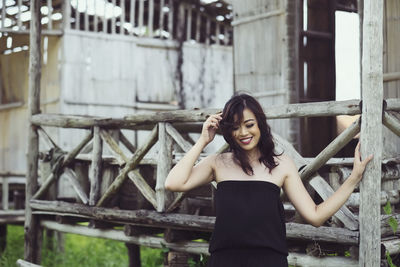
[359, 164]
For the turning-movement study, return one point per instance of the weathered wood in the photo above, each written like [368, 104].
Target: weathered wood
[392, 123]
[19, 21]
[164, 165]
[5, 189]
[22, 263]
[122, 20]
[150, 17]
[72, 178]
[32, 229]
[185, 221]
[3, 15]
[392, 196]
[49, 142]
[126, 142]
[189, 23]
[105, 22]
[161, 18]
[77, 18]
[392, 245]
[143, 187]
[12, 216]
[115, 149]
[86, 16]
[170, 24]
[134, 255]
[208, 26]
[319, 184]
[67, 160]
[334, 147]
[389, 77]
[113, 18]
[198, 25]
[130, 165]
[298, 259]
[149, 241]
[141, 16]
[371, 133]
[182, 143]
[95, 18]
[95, 168]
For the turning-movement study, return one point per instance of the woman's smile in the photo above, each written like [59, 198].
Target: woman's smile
[246, 140]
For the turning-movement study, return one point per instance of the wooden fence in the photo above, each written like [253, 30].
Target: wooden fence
[161, 19]
[167, 130]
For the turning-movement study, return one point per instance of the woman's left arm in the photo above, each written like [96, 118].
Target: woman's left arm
[302, 201]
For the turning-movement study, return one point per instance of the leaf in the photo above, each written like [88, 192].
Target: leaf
[388, 208]
[393, 224]
[389, 260]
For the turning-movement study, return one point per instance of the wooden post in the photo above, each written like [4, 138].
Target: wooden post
[95, 169]
[141, 17]
[371, 133]
[3, 14]
[171, 19]
[132, 14]
[163, 167]
[66, 11]
[86, 16]
[161, 19]
[113, 19]
[134, 255]
[32, 228]
[4, 190]
[150, 17]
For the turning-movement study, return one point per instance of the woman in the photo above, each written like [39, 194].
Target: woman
[250, 225]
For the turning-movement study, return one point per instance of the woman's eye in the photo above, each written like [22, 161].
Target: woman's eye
[250, 125]
[235, 128]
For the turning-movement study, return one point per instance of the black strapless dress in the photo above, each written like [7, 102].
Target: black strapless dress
[250, 228]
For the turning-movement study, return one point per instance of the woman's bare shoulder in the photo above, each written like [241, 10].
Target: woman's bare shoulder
[284, 161]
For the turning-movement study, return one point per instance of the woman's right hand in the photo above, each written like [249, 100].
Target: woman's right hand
[210, 127]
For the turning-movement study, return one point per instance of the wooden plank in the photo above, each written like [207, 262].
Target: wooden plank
[5, 189]
[319, 184]
[371, 133]
[141, 17]
[113, 18]
[66, 14]
[32, 230]
[161, 17]
[122, 21]
[131, 164]
[95, 168]
[115, 149]
[393, 76]
[163, 167]
[132, 14]
[189, 23]
[126, 142]
[171, 19]
[334, 147]
[86, 16]
[392, 123]
[150, 17]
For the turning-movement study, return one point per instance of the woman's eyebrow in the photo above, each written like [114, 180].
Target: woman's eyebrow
[249, 120]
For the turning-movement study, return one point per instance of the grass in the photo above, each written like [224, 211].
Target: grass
[78, 251]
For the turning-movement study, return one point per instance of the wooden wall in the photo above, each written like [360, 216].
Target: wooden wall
[263, 57]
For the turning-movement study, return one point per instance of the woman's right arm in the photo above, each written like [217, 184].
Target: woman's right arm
[184, 175]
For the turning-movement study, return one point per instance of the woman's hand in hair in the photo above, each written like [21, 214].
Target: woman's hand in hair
[359, 164]
[210, 127]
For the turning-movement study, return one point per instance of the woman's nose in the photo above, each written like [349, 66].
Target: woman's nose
[243, 131]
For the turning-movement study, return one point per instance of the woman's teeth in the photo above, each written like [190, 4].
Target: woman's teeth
[246, 140]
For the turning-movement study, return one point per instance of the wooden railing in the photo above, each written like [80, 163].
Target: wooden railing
[12, 182]
[161, 19]
[166, 129]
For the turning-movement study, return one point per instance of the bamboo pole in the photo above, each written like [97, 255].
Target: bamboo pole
[95, 169]
[371, 133]
[130, 165]
[392, 123]
[67, 160]
[32, 229]
[163, 167]
[334, 147]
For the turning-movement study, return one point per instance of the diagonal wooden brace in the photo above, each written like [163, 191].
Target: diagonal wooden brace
[130, 165]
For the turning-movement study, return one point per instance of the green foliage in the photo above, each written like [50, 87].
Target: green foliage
[78, 251]
[388, 208]
[202, 262]
[392, 221]
[389, 260]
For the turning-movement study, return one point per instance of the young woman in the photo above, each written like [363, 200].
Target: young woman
[250, 225]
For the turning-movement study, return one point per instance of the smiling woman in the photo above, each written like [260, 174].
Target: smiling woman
[250, 221]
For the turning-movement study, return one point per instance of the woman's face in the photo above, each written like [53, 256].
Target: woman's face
[246, 132]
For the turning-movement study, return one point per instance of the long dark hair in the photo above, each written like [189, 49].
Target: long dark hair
[234, 108]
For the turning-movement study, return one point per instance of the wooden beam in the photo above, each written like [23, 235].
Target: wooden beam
[67, 160]
[392, 123]
[143, 187]
[393, 76]
[130, 165]
[72, 178]
[188, 222]
[126, 142]
[182, 143]
[32, 229]
[5, 189]
[300, 259]
[334, 147]
[115, 149]
[371, 133]
[163, 167]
